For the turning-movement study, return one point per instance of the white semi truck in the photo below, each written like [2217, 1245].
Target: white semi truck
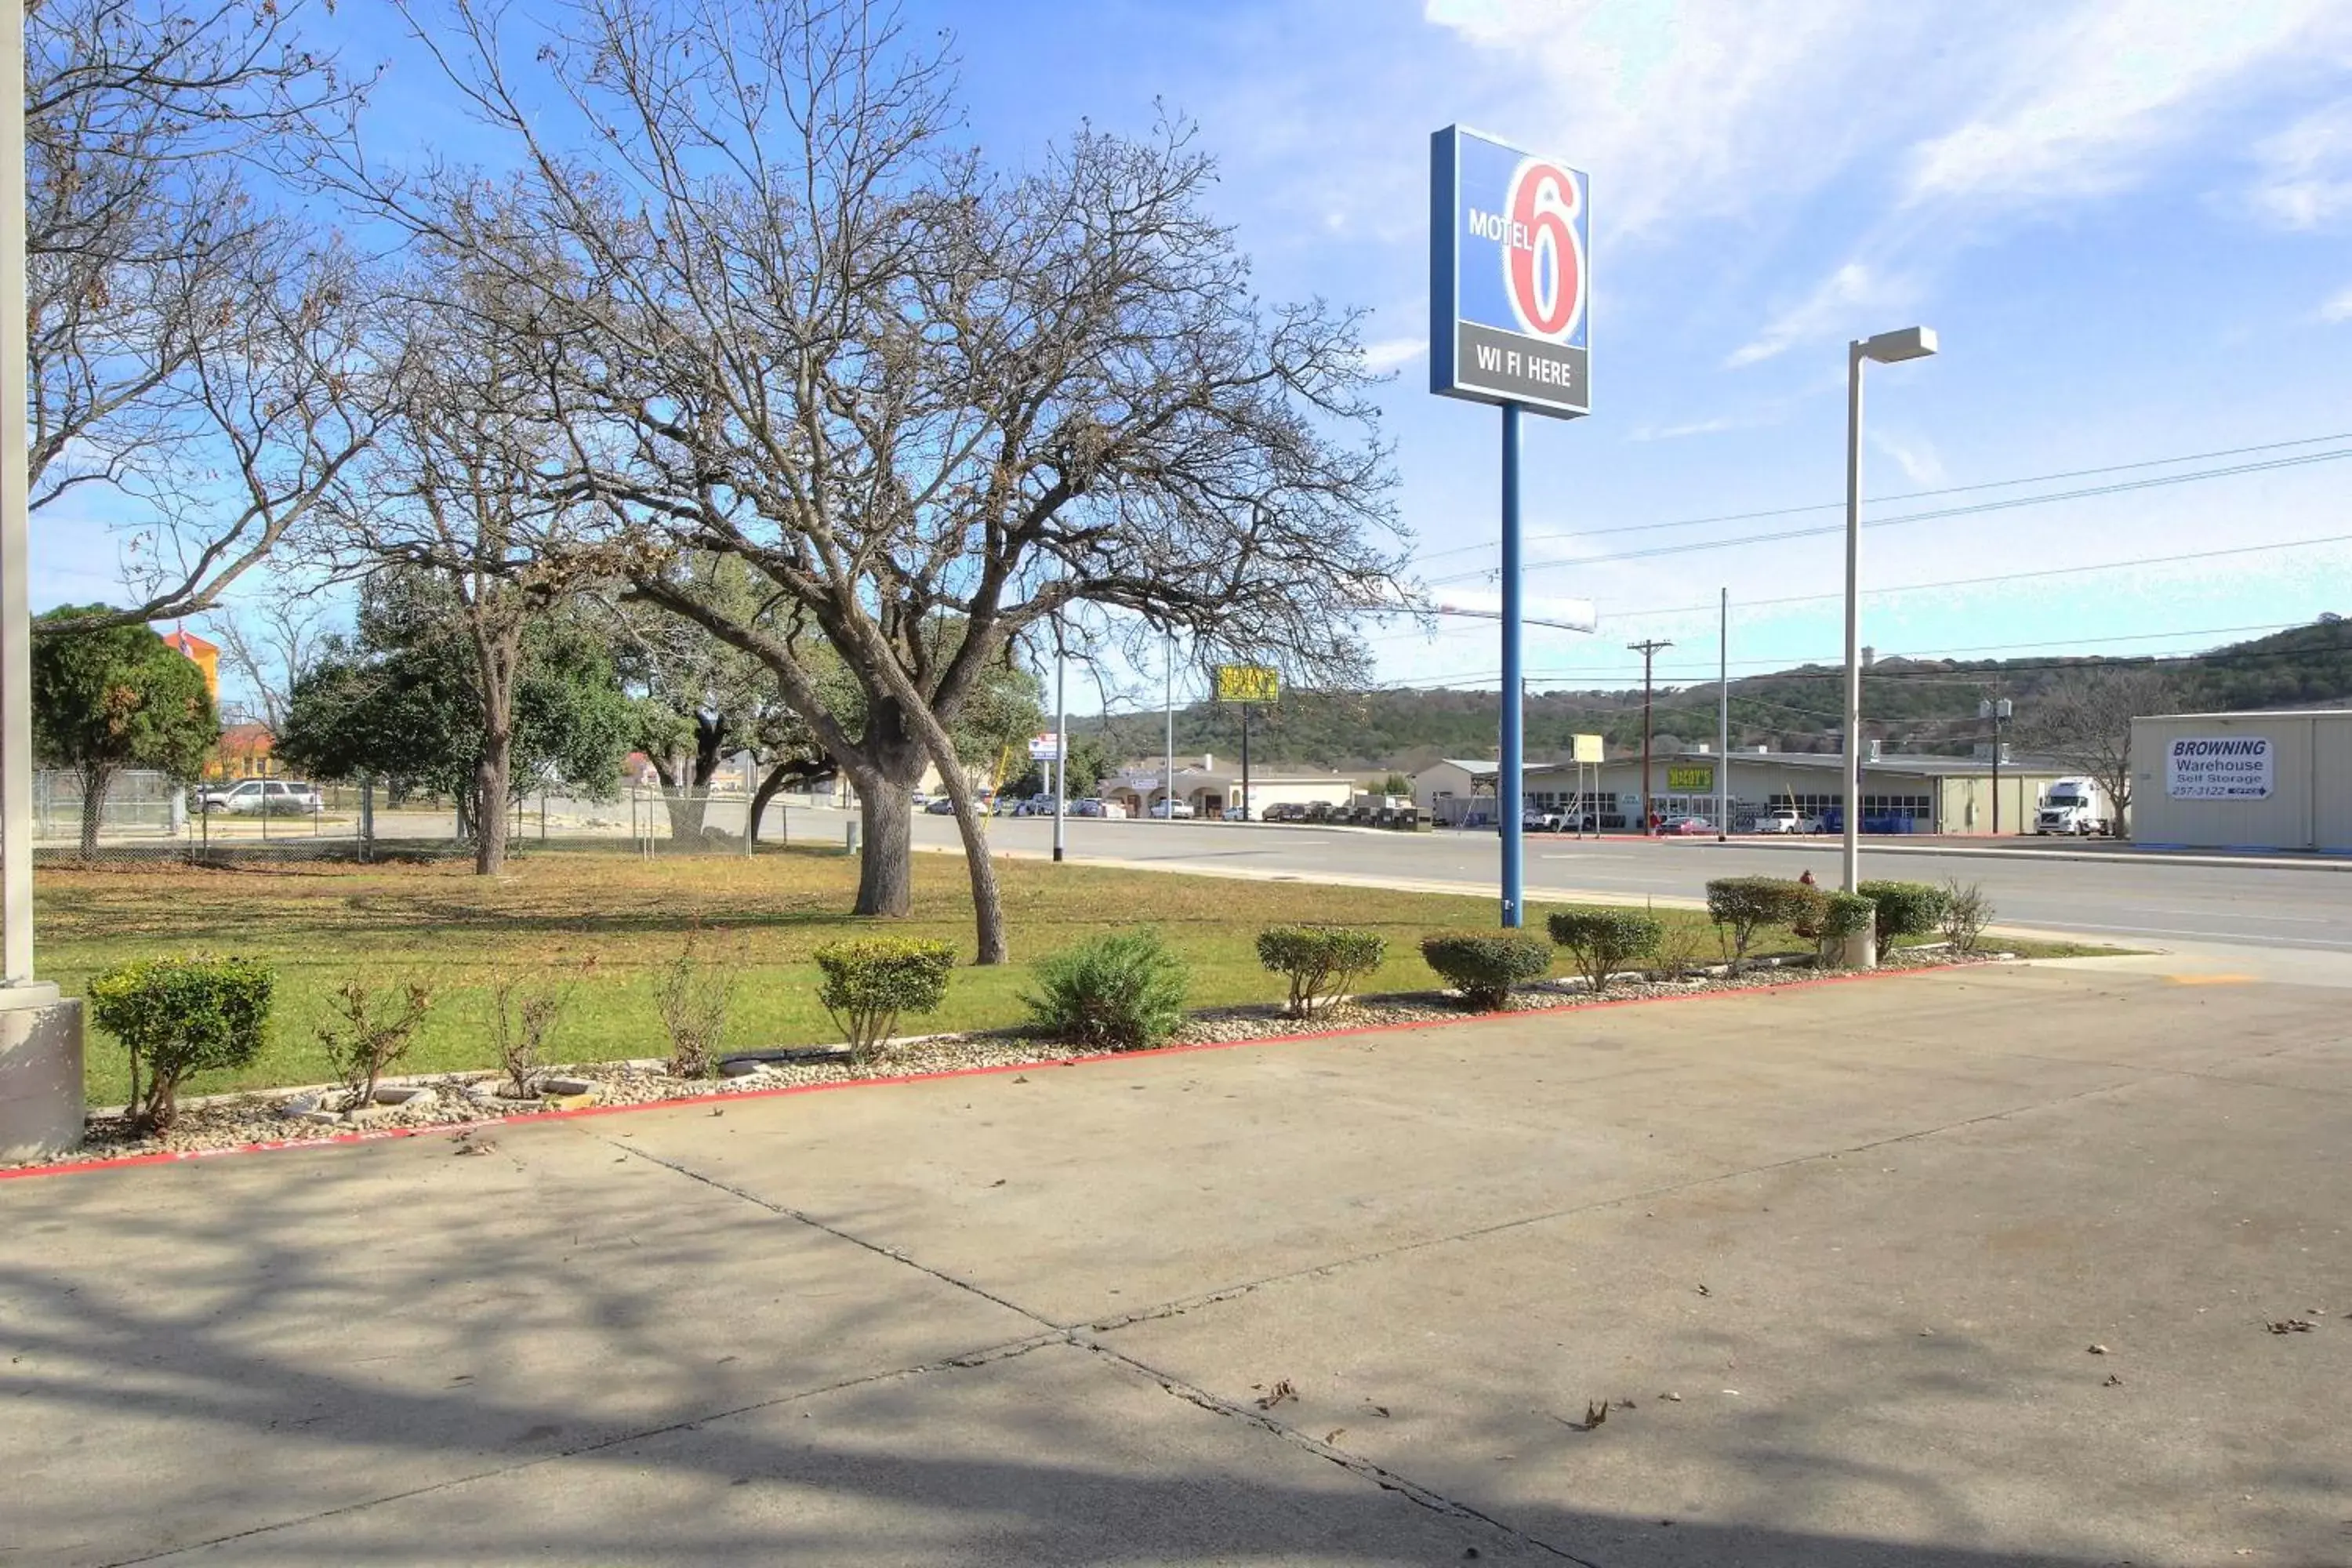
[2076, 806]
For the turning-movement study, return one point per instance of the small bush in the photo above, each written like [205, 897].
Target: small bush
[1322, 962]
[1742, 906]
[1605, 940]
[374, 1033]
[1681, 949]
[521, 1021]
[180, 1016]
[693, 996]
[1485, 966]
[1905, 908]
[1843, 915]
[1122, 990]
[868, 982]
[1967, 913]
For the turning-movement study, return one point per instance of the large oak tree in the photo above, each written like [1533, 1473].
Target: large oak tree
[809, 329]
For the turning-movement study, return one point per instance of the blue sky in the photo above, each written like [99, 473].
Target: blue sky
[2128, 221]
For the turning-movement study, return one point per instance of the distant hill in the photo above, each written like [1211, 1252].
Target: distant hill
[1923, 704]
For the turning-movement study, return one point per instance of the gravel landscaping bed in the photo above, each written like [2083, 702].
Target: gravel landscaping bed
[295, 1117]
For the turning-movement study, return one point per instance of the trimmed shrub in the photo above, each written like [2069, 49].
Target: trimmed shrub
[1322, 962]
[1485, 966]
[180, 1016]
[373, 1032]
[869, 982]
[1843, 915]
[1123, 991]
[1742, 906]
[1905, 908]
[1605, 940]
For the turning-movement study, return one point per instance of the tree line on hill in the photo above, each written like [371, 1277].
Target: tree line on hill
[1927, 705]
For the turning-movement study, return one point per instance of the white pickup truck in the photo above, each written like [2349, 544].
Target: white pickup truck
[2075, 806]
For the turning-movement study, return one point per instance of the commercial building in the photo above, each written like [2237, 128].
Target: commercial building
[1901, 792]
[1209, 787]
[2243, 780]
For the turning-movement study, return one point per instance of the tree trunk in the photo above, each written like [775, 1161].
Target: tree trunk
[490, 804]
[94, 807]
[987, 908]
[886, 871]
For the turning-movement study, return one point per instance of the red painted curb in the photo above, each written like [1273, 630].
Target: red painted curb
[181, 1156]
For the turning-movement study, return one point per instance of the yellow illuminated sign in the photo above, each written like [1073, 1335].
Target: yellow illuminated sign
[1248, 683]
[1691, 780]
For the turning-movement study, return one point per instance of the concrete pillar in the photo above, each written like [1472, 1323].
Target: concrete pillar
[40, 1072]
[1858, 950]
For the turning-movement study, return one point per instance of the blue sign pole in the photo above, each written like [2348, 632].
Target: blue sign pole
[1507, 251]
[1509, 782]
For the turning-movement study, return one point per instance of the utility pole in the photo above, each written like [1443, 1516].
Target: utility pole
[1167, 697]
[1723, 722]
[1996, 708]
[1648, 650]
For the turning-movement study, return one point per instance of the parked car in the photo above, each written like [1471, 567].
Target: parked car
[1318, 811]
[1787, 820]
[942, 807]
[1537, 820]
[1234, 814]
[254, 797]
[1172, 810]
[1087, 805]
[1285, 810]
[1035, 806]
[1688, 826]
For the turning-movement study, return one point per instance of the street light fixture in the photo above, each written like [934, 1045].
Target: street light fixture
[1886, 348]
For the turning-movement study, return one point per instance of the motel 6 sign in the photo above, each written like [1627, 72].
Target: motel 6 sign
[1508, 236]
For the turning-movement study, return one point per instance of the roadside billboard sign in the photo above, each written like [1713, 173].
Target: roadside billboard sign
[1046, 748]
[1248, 683]
[2219, 767]
[1587, 748]
[1508, 249]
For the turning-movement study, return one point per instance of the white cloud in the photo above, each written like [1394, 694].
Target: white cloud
[1851, 294]
[1389, 353]
[2306, 169]
[2087, 97]
[1685, 112]
[1915, 455]
[2338, 307]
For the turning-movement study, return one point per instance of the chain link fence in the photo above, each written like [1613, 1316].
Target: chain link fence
[146, 817]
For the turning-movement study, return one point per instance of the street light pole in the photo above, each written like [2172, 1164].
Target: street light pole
[1723, 720]
[1168, 697]
[1886, 348]
[1061, 737]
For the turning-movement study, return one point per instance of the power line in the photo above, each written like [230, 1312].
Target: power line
[1910, 495]
[1943, 513]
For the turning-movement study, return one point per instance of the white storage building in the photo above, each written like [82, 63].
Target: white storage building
[2243, 780]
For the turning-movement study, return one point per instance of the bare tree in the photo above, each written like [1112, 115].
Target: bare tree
[458, 483]
[2083, 720]
[928, 405]
[269, 639]
[194, 341]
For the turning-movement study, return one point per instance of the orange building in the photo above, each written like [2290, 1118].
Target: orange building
[206, 655]
[243, 753]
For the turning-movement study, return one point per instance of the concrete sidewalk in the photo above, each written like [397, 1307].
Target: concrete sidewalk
[1836, 1257]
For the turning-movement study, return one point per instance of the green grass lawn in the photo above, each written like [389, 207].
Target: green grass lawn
[605, 924]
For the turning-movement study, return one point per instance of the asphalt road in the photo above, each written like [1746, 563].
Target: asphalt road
[2110, 897]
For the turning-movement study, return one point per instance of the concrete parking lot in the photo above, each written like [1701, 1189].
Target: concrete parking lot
[1836, 1258]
